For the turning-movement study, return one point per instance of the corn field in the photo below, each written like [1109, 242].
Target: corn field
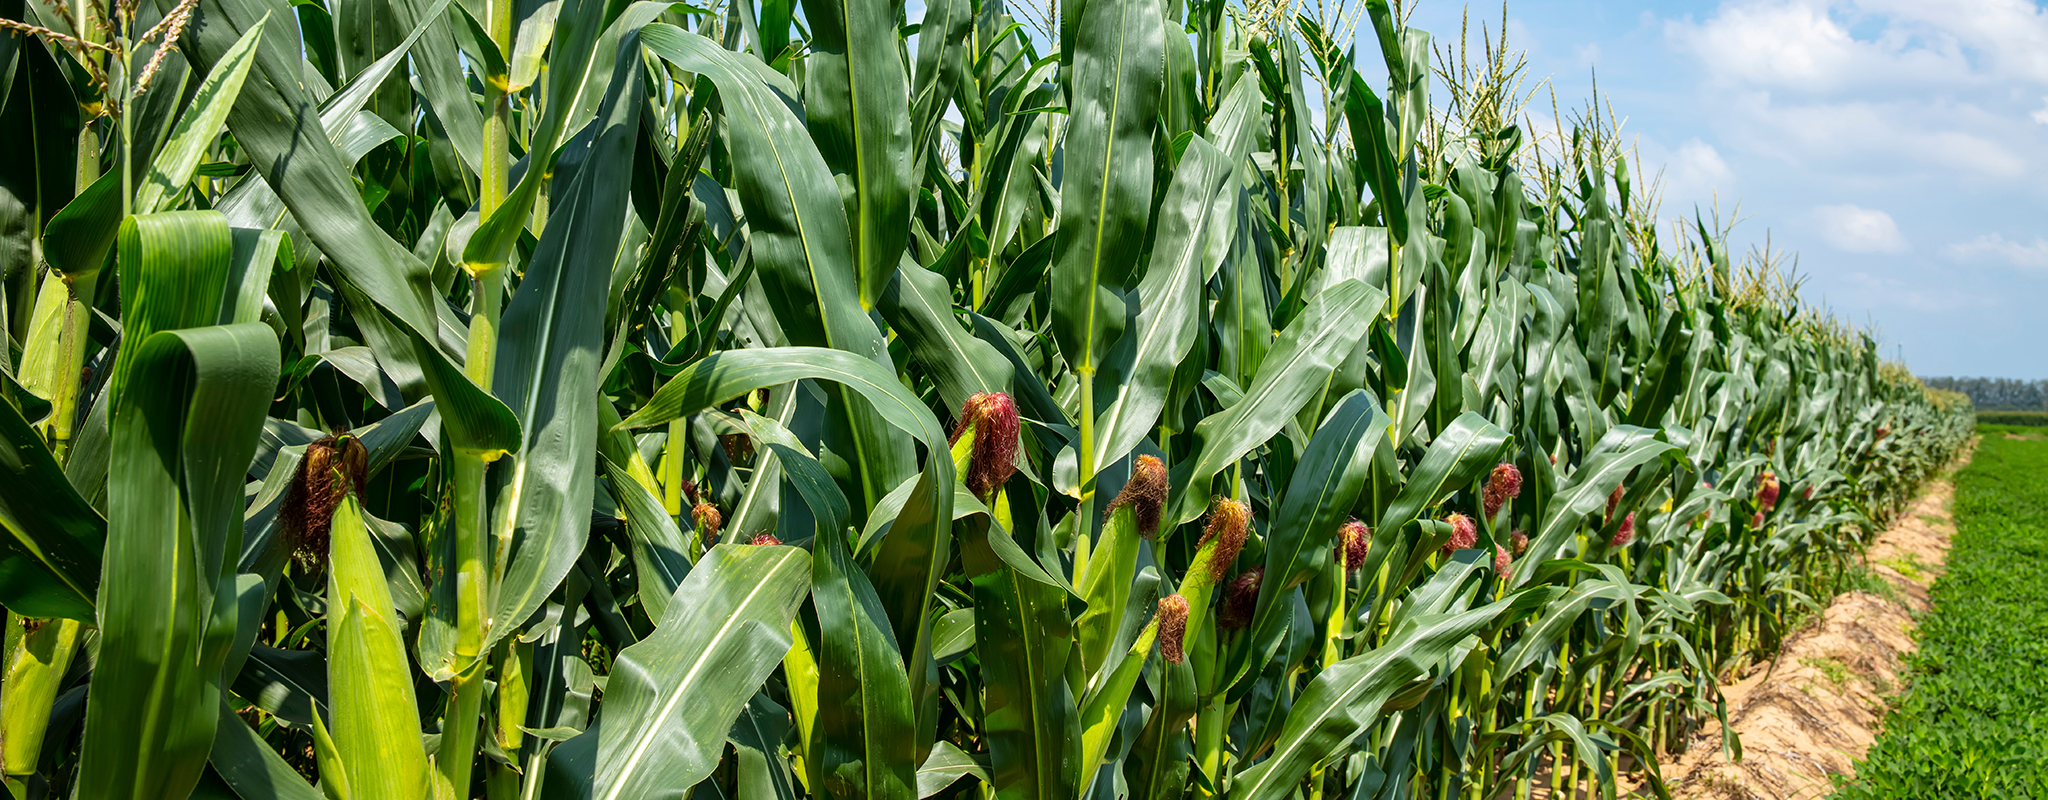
[1121, 399]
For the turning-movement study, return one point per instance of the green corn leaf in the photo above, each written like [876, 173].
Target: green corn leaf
[78, 237]
[732, 373]
[1347, 697]
[1023, 637]
[757, 738]
[1118, 65]
[253, 202]
[797, 230]
[290, 684]
[1462, 454]
[946, 766]
[658, 545]
[1169, 298]
[1158, 765]
[1295, 371]
[248, 765]
[911, 559]
[552, 341]
[167, 607]
[673, 697]
[271, 120]
[50, 557]
[196, 129]
[1587, 491]
[866, 744]
[569, 65]
[1327, 484]
[174, 267]
[942, 37]
[857, 107]
[919, 306]
[1667, 372]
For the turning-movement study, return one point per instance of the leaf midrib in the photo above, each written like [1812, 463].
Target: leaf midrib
[645, 738]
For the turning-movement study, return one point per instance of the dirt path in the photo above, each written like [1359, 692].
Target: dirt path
[1816, 711]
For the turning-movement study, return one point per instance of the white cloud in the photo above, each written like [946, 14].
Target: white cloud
[1699, 164]
[1803, 45]
[2006, 34]
[1875, 86]
[1876, 135]
[1992, 246]
[1813, 45]
[1859, 230]
[1693, 174]
[2041, 116]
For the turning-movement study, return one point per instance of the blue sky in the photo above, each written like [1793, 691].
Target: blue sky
[1898, 147]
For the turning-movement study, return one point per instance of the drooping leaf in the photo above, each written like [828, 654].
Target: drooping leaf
[166, 606]
[50, 557]
[797, 231]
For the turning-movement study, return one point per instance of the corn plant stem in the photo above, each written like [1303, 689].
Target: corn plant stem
[1285, 261]
[127, 123]
[72, 337]
[33, 671]
[497, 160]
[1522, 777]
[459, 729]
[483, 325]
[1557, 766]
[1478, 680]
[501, 781]
[460, 721]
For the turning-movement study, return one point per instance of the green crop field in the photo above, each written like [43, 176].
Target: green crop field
[1974, 723]
[1159, 399]
[2035, 419]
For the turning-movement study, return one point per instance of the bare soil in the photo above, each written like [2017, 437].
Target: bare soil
[1815, 710]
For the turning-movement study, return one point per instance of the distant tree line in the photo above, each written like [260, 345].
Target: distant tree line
[1998, 394]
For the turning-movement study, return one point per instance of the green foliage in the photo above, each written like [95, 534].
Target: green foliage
[1967, 727]
[552, 400]
[2030, 419]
